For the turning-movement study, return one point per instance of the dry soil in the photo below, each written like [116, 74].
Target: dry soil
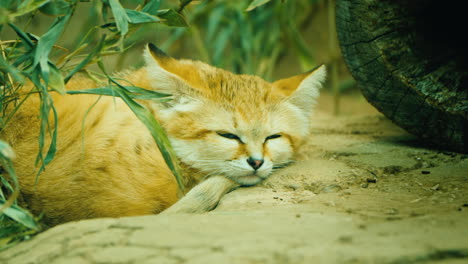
[364, 191]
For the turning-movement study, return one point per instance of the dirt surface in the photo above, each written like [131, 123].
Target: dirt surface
[364, 191]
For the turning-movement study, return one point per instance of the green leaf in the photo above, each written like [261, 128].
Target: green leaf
[221, 42]
[152, 7]
[6, 152]
[134, 92]
[137, 17]
[15, 73]
[157, 131]
[20, 215]
[28, 6]
[8, 4]
[45, 44]
[302, 50]
[56, 8]
[4, 16]
[46, 105]
[56, 80]
[22, 35]
[120, 16]
[88, 58]
[172, 18]
[6, 156]
[256, 3]
[214, 21]
[53, 144]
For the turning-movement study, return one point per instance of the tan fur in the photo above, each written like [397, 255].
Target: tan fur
[107, 164]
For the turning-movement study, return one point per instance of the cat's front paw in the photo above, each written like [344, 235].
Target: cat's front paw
[203, 197]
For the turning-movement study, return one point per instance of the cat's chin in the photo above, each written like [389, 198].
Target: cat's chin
[248, 180]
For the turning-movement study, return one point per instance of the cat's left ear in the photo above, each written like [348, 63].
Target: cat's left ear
[302, 90]
[168, 75]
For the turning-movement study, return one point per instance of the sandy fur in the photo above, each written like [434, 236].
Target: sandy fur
[107, 164]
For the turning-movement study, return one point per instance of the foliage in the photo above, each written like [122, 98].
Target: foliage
[248, 38]
[49, 66]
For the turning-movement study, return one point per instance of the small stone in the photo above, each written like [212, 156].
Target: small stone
[392, 169]
[371, 180]
[393, 218]
[275, 197]
[345, 239]
[435, 187]
[391, 211]
[294, 186]
[416, 214]
[298, 215]
[331, 188]
[365, 185]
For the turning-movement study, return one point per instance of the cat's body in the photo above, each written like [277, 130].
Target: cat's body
[227, 130]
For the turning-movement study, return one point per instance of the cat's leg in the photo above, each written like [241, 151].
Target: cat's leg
[203, 197]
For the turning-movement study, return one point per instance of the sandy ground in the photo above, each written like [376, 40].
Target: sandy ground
[364, 192]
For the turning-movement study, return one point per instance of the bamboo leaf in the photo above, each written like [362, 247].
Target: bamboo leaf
[137, 17]
[172, 18]
[45, 106]
[13, 211]
[220, 43]
[15, 73]
[47, 41]
[53, 144]
[120, 16]
[134, 92]
[28, 6]
[88, 58]
[214, 21]
[45, 44]
[152, 7]
[157, 131]
[8, 4]
[256, 3]
[56, 8]
[6, 152]
[20, 215]
[22, 35]
[56, 80]
[305, 57]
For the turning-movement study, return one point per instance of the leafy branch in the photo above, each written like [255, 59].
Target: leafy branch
[33, 58]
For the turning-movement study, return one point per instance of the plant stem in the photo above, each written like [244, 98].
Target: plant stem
[333, 62]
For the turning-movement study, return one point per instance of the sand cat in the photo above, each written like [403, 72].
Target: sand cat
[227, 130]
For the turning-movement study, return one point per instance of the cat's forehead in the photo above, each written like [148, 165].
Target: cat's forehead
[246, 94]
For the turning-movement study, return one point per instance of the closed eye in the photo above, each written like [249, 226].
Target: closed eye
[272, 137]
[228, 135]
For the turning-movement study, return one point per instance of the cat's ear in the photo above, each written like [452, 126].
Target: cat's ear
[302, 90]
[168, 75]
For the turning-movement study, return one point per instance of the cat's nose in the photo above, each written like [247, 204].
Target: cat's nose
[255, 163]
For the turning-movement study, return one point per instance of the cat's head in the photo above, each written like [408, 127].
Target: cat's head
[239, 126]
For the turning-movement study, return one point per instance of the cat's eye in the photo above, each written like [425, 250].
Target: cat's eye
[228, 135]
[272, 137]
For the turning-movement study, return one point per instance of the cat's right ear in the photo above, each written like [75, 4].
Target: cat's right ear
[167, 75]
[302, 90]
